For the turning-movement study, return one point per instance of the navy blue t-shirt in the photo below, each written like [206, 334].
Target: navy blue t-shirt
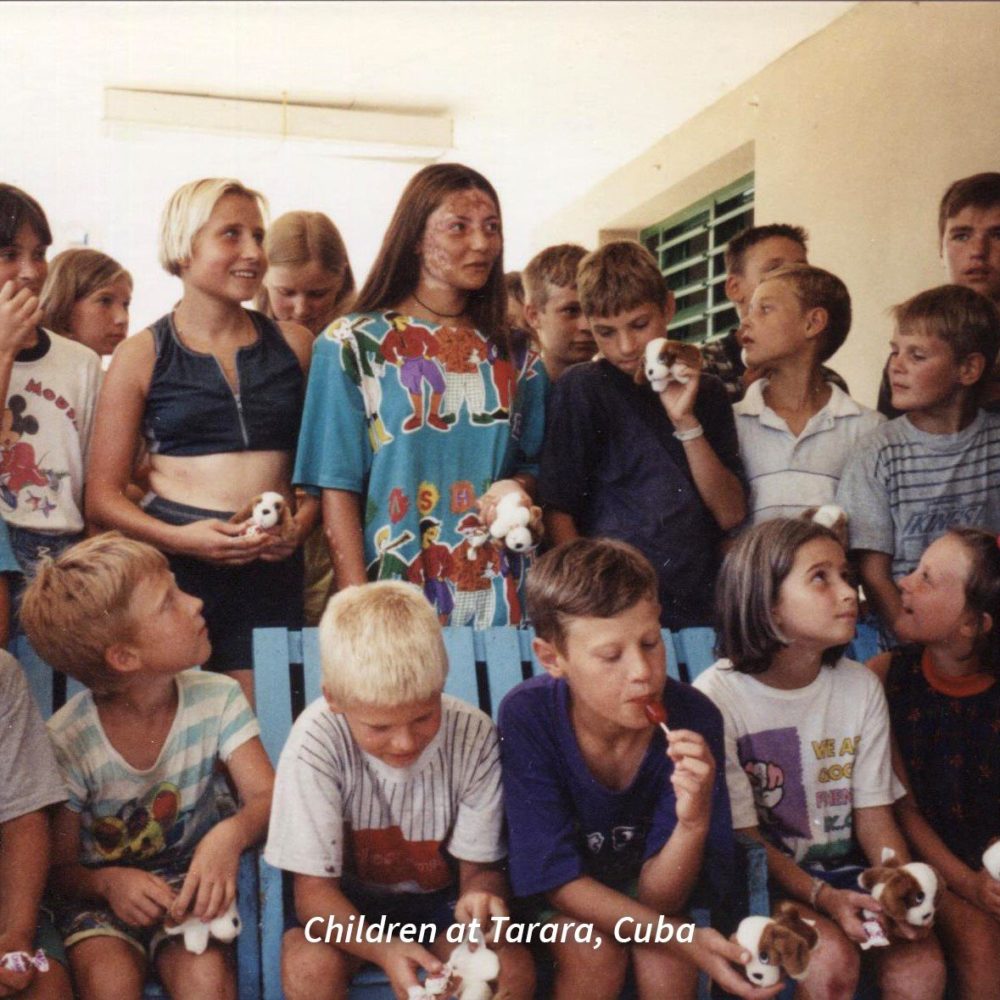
[612, 463]
[564, 824]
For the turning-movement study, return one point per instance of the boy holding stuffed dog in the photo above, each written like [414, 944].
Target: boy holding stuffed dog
[144, 754]
[660, 471]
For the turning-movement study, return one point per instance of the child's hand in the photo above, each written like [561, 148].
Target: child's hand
[678, 398]
[400, 962]
[210, 884]
[481, 907]
[138, 897]
[844, 906]
[12, 983]
[693, 777]
[219, 542]
[712, 953]
[987, 893]
[20, 314]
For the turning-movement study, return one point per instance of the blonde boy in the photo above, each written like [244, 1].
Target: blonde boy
[796, 429]
[937, 465]
[387, 804]
[552, 308]
[144, 754]
[611, 821]
[659, 471]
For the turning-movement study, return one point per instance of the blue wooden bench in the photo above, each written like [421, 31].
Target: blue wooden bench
[484, 666]
[51, 690]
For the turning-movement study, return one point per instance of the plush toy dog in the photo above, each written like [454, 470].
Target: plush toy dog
[466, 976]
[663, 362]
[830, 516]
[783, 942]
[224, 927]
[908, 893]
[519, 526]
[268, 514]
[991, 859]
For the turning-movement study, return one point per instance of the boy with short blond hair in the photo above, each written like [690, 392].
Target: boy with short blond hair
[552, 308]
[387, 803]
[796, 429]
[938, 465]
[612, 822]
[659, 471]
[144, 753]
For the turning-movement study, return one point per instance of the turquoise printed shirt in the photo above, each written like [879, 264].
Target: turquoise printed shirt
[420, 419]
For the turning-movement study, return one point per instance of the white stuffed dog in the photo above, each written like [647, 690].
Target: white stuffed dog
[268, 514]
[466, 976]
[908, 893]
[224, 927]
[784, 942]
[519, 526]
[664, 361]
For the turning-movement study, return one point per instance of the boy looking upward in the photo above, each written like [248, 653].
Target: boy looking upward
[144, 754]
[938, 465]
[659, 471]
[611, 822]
[387, 802]
[796, 429]
[552, 308]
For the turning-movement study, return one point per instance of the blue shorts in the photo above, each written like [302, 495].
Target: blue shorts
[237, 599]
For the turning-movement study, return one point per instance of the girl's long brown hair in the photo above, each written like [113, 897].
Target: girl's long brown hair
[396, 271]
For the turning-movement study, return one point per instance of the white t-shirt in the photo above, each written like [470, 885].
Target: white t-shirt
[787, 474]
[339, 810]
[799, 762]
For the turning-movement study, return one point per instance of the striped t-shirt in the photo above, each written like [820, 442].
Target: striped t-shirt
[903, 487]
[152, 818]
[337, 810]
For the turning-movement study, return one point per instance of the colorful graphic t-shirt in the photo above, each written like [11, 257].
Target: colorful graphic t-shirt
[799, 762]
[153, 818]
[338, 811]
[420, 420]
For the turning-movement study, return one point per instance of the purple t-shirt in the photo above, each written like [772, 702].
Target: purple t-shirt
[564, 824]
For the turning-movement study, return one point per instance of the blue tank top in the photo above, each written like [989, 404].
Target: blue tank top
[192, 410]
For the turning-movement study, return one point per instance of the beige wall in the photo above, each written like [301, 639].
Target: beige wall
[854, 134]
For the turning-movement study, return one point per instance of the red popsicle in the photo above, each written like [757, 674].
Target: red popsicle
[657, 715]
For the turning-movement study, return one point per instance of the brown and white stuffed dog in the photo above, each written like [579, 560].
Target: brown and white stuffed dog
[268, 514]
[830, 516]
[665, 362]
[907, 893]
[782, 943]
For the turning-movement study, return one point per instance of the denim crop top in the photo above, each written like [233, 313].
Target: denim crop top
[192, 410]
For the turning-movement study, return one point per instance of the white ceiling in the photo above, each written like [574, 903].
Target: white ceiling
[547, 98]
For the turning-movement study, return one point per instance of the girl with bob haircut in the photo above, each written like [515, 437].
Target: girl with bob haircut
[808, 749]
[309, 278]
[215, 392]
[944, 705]
[86, 297]
[418, 416]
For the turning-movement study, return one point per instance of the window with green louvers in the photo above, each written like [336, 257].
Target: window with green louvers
[689, 249]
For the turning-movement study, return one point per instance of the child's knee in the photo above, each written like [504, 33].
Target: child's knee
[313, 970]
[53, 985]
[210, 974]
[835, 965]
[912, 970]
[517, 972]
[106, 966]
[600, 971]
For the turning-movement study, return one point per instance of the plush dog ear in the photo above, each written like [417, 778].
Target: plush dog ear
[871, 877]
[788, 915]
[893, 898]
[245, 512]
[286, 522]
[788, 950]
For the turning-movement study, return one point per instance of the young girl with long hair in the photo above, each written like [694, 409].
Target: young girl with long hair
[86, 297]
[944, 702]
[215, 390]
[309, 278]
[807, 749]
[418, 418]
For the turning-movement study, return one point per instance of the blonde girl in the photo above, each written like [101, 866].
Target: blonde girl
[944, 702]
[215, 391]
[86, 297]
[309, 278]
[807, 749]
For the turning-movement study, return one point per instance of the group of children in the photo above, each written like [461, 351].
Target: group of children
[418, 414]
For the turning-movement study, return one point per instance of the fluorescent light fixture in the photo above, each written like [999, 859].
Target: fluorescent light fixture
[380, 135]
